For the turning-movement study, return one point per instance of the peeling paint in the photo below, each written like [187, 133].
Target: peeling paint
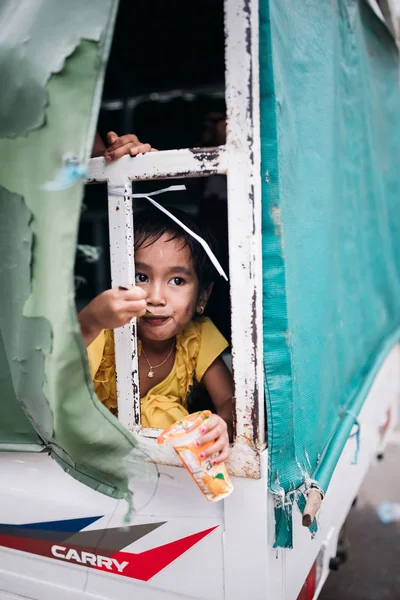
[53, 382]
[37, 40]
[21, 368]
[205, 155]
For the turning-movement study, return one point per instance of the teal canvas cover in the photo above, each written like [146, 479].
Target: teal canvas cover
[52, 61]
[330, 135]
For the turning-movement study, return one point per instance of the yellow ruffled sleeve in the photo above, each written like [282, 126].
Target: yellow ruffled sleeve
[101, 356]
[212, 344]
[161, 411]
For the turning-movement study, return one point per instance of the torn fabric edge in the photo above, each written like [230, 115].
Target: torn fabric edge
[275, 344]
[38, 58]
[284, 511]
[78, 439]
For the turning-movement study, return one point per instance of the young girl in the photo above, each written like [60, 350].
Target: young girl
[177, 346]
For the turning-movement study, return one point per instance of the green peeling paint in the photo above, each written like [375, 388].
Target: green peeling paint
[36, 38]
[43, 367]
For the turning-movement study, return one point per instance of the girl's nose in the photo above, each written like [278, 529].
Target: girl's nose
[156, 296]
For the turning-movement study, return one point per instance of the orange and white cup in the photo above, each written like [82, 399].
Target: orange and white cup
[213, 480]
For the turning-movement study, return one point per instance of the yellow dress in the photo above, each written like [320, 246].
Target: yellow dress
[197, 346]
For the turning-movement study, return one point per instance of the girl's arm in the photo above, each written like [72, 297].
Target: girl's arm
[219, 384]
[113, 308]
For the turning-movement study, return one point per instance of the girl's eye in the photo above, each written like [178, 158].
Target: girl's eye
[177, 281]
[141, 278]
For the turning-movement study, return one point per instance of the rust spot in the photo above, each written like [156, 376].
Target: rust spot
[247, 12]
[205, 154]
[251, 198]
[188, 173]
[252, 472]
[255, 405]
[247, 439]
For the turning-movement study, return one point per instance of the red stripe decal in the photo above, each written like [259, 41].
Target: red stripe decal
[145, 565]
[142, 565]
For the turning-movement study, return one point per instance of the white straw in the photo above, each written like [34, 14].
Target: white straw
[118, 191]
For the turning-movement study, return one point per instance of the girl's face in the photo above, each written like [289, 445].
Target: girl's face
[164, 270]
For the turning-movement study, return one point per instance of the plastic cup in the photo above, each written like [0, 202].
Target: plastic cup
[212, 480]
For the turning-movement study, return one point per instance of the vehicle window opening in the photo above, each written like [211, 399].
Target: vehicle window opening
[194, 203]
[174, 108]
[199, 205]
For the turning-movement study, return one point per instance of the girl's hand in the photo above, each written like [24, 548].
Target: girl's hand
[124, 144]
[215, 430]
[111, 309]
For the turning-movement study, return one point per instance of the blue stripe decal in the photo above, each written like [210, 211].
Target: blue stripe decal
[69, 525]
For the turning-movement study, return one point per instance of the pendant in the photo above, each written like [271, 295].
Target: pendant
[150, 374]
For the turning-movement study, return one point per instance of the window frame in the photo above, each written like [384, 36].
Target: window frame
[239, 160]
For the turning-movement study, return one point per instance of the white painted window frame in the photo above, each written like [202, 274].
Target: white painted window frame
[239, 160]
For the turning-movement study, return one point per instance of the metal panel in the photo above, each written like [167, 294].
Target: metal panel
[123, 273]
[244, 216]
[194, 162]
[240, 160]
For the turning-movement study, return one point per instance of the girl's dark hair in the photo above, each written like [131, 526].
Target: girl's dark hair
[151, 224]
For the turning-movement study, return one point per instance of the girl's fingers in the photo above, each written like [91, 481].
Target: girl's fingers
[216, 431]
[141, 149]
[222, 456]
[133, 292]
[210, 436]
[124, 144]
[128, 314]
[214, 428]
[120, 151]
[136, 308]
[219, 445]
[112, 137]
[124, 140]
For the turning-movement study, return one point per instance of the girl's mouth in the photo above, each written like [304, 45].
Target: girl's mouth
[155, 321]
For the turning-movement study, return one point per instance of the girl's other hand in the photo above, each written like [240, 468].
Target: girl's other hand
[111, 309]
[215, 430]
[124, 144]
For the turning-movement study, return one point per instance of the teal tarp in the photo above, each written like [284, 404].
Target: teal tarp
[330, 133]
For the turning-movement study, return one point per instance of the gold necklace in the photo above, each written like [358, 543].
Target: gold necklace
[150, 374]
